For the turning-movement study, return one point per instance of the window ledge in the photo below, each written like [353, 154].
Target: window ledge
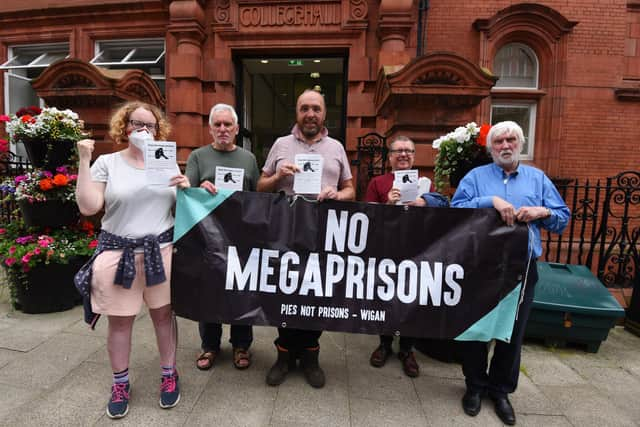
[517, 94]
[627, 94]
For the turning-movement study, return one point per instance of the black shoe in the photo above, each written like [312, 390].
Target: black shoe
[278, 372]
[472, 402]
[504, 410]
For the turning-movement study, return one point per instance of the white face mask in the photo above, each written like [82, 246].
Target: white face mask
[139, 138]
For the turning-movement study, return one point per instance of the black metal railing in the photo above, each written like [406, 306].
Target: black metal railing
[11, 166]
[371, 160]
[604, 230]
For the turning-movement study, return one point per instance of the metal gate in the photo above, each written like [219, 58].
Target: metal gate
[604, 229]
[371, 160]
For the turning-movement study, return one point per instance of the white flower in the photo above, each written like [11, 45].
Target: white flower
[437, 142]
[461, 135]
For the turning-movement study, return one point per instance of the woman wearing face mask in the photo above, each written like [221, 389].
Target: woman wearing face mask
[132, 262]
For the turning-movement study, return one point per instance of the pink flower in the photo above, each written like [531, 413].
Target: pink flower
[10, 261]
[61, 169]
[43, 243]
[12, 250]
[4, 118]
[3, 230]
[18, 179]
[37, 251]
[26, 259]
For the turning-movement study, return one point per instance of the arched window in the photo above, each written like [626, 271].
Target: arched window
[516, 65]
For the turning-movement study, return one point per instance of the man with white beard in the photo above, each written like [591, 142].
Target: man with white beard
[519, 193]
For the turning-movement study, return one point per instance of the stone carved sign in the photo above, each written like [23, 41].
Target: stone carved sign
[302, 14]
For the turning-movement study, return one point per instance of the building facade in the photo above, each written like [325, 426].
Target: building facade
[568, 72]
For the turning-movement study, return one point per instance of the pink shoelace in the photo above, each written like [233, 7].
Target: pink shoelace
[168, 384]
[119, 392]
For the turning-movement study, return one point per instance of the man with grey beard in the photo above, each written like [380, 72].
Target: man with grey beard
[519, 193]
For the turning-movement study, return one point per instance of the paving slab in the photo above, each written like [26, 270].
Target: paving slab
[585, 405]
[50, 362]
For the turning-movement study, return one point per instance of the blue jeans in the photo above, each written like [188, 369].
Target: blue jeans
[211, 333]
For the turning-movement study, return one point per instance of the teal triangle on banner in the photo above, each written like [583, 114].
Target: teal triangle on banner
[192, 205]
[498, 323]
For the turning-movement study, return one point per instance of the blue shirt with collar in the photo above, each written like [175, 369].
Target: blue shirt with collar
[527, 186]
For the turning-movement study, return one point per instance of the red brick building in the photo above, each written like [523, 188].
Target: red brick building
[568, 71]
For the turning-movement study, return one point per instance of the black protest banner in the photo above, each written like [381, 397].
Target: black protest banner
[254, 258]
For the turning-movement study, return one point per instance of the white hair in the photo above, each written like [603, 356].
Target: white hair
[223, 107]
[507, 127]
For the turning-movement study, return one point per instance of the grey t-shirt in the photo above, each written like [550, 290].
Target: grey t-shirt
[202, 162]
[133, 209]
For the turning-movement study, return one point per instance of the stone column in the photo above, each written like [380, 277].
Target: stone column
[184, 78]
[395, 24]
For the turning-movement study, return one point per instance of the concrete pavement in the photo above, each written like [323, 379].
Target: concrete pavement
[55, 371]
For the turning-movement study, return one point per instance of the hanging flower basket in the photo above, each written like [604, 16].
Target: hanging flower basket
[463, 168]
[48, 288]
[48, 134]
[47, 154]
[49, 213]
[460, 151]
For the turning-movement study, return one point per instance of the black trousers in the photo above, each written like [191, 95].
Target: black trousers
[406, 343]
[502, 377]
[211, 333]
[296, 340]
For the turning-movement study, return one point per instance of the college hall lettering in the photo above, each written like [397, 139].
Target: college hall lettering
[296, 15]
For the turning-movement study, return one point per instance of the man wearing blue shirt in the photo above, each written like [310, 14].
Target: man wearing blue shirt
[519, 193]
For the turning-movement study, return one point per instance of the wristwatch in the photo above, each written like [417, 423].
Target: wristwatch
[549, 213]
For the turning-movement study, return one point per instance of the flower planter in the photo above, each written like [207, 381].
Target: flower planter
[59, 154]
[51, 213]
[464, 168]
[49, 288]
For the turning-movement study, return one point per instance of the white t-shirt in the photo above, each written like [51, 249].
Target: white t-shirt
[133, 209]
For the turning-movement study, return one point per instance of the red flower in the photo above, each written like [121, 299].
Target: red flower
[4, 146]
[482, 135]
[93, 244]
[4, 118]
[46, 184]
[60, 180]
[26, 118]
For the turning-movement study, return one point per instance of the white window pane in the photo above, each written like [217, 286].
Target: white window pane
[517, 66]
[523, 115]
[147, 55]
[142, 54]
[36, 56]
[49, 58]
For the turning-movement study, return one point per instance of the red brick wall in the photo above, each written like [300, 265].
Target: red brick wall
[599, 131]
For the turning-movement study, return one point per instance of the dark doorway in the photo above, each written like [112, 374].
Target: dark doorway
[267, 93]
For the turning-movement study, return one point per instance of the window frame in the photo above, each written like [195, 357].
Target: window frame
[46, 48]
[136, 44]
[520, 96]
[536, 63]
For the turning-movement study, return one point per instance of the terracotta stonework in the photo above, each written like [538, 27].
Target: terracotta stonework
[588, 54]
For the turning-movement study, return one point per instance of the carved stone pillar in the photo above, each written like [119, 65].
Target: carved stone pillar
[184, 82]
[394, 26]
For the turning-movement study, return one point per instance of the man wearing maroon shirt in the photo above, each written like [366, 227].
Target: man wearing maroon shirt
[380, 190]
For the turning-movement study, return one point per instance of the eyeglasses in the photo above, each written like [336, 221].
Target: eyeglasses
[402, 151]
[137, 124]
